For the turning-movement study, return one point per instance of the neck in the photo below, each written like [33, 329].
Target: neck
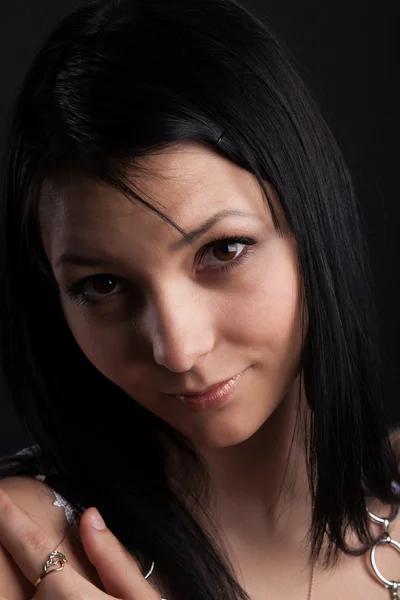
[260, 487]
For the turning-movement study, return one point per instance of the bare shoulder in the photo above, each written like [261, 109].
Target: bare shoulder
[380, 508]
[394, 438]
[36, 499]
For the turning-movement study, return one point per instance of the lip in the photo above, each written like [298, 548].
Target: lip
[217, 396]
[208, 390]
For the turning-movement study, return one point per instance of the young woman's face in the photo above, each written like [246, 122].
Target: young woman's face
[159, 317]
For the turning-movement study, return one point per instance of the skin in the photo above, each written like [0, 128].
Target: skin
[30, 544]
[182, 323]
[173, 328]
[175, 321]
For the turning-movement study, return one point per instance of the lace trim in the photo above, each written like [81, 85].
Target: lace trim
[61, 502]
[70, 512]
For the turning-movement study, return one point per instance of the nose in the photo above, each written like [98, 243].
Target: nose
[180, 327]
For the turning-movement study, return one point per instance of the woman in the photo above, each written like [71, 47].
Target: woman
[187, 326]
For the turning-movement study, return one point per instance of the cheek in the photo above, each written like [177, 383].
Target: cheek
[102, 342]
[266, 311]
[258, 318]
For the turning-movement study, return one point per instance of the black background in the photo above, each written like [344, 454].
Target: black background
[344, 50]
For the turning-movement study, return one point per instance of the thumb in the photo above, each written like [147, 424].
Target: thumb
[118, 570]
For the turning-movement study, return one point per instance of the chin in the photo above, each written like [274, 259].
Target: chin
[221, 432]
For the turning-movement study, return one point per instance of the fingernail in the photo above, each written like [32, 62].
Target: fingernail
[96, 520]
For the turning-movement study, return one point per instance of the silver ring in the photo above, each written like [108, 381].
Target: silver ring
[382, 520]
[150, 572]
[387, 582]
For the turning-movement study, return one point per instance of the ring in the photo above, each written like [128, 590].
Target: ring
[54, 559]
[388, 583]
[150, 572]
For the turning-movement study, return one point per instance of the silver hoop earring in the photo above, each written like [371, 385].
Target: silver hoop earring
[150, 572]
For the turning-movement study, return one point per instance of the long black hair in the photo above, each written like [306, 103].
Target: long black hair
[119, 79]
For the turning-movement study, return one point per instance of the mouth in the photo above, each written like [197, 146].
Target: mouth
[207, 390]
[211, 398]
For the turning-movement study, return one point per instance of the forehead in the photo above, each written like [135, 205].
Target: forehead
[188, 182]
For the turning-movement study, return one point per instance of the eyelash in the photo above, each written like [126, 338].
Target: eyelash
[76, 293]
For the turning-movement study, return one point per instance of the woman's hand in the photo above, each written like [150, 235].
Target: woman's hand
[30, 548]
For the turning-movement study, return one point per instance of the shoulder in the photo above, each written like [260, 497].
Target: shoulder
[36, 498]
[394, 438]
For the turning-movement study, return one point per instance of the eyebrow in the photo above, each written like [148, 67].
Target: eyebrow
[73, 258]
[207, 225]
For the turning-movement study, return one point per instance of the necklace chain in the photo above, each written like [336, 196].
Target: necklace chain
[383, 538]
[310, 590]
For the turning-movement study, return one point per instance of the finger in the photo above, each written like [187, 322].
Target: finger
[29, 545]
[118, 570]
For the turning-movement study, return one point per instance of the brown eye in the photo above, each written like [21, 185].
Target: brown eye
[225, 251]
[222, 252]
[100, 286]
